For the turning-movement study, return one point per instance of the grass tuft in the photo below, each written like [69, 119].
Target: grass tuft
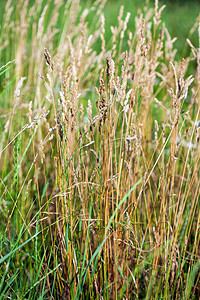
[99, 186]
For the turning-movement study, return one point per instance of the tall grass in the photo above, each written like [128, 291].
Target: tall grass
[99, 188]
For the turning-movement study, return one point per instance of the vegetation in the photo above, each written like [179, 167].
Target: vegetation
[99, 186]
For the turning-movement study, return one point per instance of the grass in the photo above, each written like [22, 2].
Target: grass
[99, 186]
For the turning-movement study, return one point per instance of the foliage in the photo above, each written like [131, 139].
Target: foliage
[99, 189]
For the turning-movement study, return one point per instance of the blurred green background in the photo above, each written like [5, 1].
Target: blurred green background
[179, 17]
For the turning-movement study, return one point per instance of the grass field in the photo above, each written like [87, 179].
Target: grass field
[99, 148]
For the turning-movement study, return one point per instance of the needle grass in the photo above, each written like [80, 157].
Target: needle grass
[99, 156]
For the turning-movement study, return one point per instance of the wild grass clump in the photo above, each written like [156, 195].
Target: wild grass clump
[99, 156]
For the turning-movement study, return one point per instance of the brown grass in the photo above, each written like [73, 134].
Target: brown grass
[107, 146]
